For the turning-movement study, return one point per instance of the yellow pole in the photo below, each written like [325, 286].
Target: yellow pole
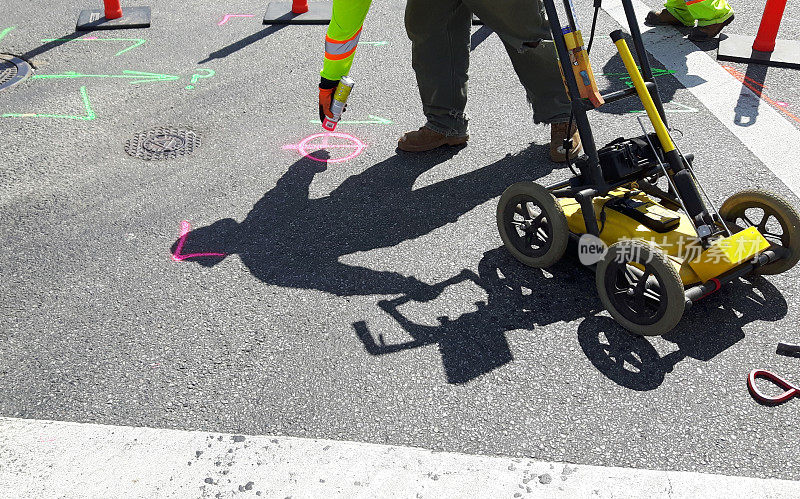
[644, 95]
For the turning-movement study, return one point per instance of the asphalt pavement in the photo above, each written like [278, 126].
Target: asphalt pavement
[367, 297]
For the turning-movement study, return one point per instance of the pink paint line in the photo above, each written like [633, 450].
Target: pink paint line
[228, 16]
[305, 146]
[177, 256]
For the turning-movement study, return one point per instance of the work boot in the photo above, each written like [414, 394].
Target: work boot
[663, 18]
[558, 132]
[707, 33]
[426, 139]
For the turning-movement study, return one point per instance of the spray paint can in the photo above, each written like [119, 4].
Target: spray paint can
[339, 100]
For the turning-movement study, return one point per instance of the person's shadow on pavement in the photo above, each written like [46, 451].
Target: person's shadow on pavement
[518, 297]
[290, 240]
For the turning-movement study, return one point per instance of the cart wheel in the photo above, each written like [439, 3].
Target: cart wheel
[647, 302]
[532, 224]
[777, 221]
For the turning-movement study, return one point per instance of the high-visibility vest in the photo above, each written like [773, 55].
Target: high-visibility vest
[342, 37]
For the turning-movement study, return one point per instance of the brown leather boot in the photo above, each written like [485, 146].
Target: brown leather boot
[558, 132]
[426, 139]
[707, 33]
[663, 18]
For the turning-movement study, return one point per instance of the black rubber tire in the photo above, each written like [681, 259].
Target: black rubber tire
[518, 199]
[734, 207]
[614, 285]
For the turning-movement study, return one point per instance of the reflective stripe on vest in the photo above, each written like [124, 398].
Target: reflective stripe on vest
[336, 50]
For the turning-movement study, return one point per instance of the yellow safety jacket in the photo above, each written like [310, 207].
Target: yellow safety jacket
[342, 37]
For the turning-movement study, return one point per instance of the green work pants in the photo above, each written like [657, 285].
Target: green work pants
[439, 31]
[705, 12]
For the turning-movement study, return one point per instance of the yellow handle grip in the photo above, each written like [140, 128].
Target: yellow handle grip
[644, 95]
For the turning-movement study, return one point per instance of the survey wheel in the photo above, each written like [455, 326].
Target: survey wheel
[646, 298]
[532, 224]
[774, 218]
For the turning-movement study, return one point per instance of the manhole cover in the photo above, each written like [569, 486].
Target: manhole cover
[12, 70]
[163, 143]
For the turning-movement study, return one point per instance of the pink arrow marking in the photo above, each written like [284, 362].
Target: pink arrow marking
[177, 256]
[228, 16]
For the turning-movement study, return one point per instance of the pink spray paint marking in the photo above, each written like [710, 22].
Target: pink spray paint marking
[312, 143]
[228, 16]
[177, 256]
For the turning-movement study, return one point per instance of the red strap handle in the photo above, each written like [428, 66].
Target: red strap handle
[791, 390]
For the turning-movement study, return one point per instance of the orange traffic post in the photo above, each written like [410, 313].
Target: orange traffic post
[299, 6]
[113, 9]
[764, 48]
[113, 16]
[770, 22]
[298, 12]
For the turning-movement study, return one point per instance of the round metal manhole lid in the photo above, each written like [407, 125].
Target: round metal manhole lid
[163, 143]
[12, 70]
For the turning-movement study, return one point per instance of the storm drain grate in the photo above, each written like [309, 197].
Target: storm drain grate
[12, 70]
[163, 143]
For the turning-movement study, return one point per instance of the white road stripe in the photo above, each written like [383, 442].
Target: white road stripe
[770, 137]
[58, 459]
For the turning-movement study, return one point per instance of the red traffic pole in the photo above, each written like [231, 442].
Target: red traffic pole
[301, 6]
[113, 9]
[770, 22]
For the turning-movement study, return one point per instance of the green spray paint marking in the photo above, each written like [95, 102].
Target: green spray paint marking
[137, 41]
[137, 76]
[86, 104]
[6, 31]
[373, 120]
[626, 78]
[377, 44]
[195, 77]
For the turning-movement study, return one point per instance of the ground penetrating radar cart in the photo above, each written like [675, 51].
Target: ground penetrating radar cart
[667, 244]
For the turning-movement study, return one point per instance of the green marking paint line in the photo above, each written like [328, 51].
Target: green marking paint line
[377, 44]
[6, 31]
[373, 120]
[626, 78]
[137, 76]
[87, 105]
[197, 76]
[136, 41]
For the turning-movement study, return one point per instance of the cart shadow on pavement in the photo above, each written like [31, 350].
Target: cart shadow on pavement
[521, 298]
[290, 240]
[709, 328]
[518, 298]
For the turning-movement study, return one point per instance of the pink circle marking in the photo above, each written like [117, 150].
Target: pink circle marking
[357, 146]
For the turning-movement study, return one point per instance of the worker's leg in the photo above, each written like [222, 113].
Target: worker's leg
[439, 32]
[680, 11]
[525, 31]
[708, 12]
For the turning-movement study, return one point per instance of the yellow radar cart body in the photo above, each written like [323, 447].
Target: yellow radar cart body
[664, 244]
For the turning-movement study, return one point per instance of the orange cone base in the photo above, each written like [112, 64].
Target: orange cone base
[281, 13]
[132, 17]
[738, 48]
